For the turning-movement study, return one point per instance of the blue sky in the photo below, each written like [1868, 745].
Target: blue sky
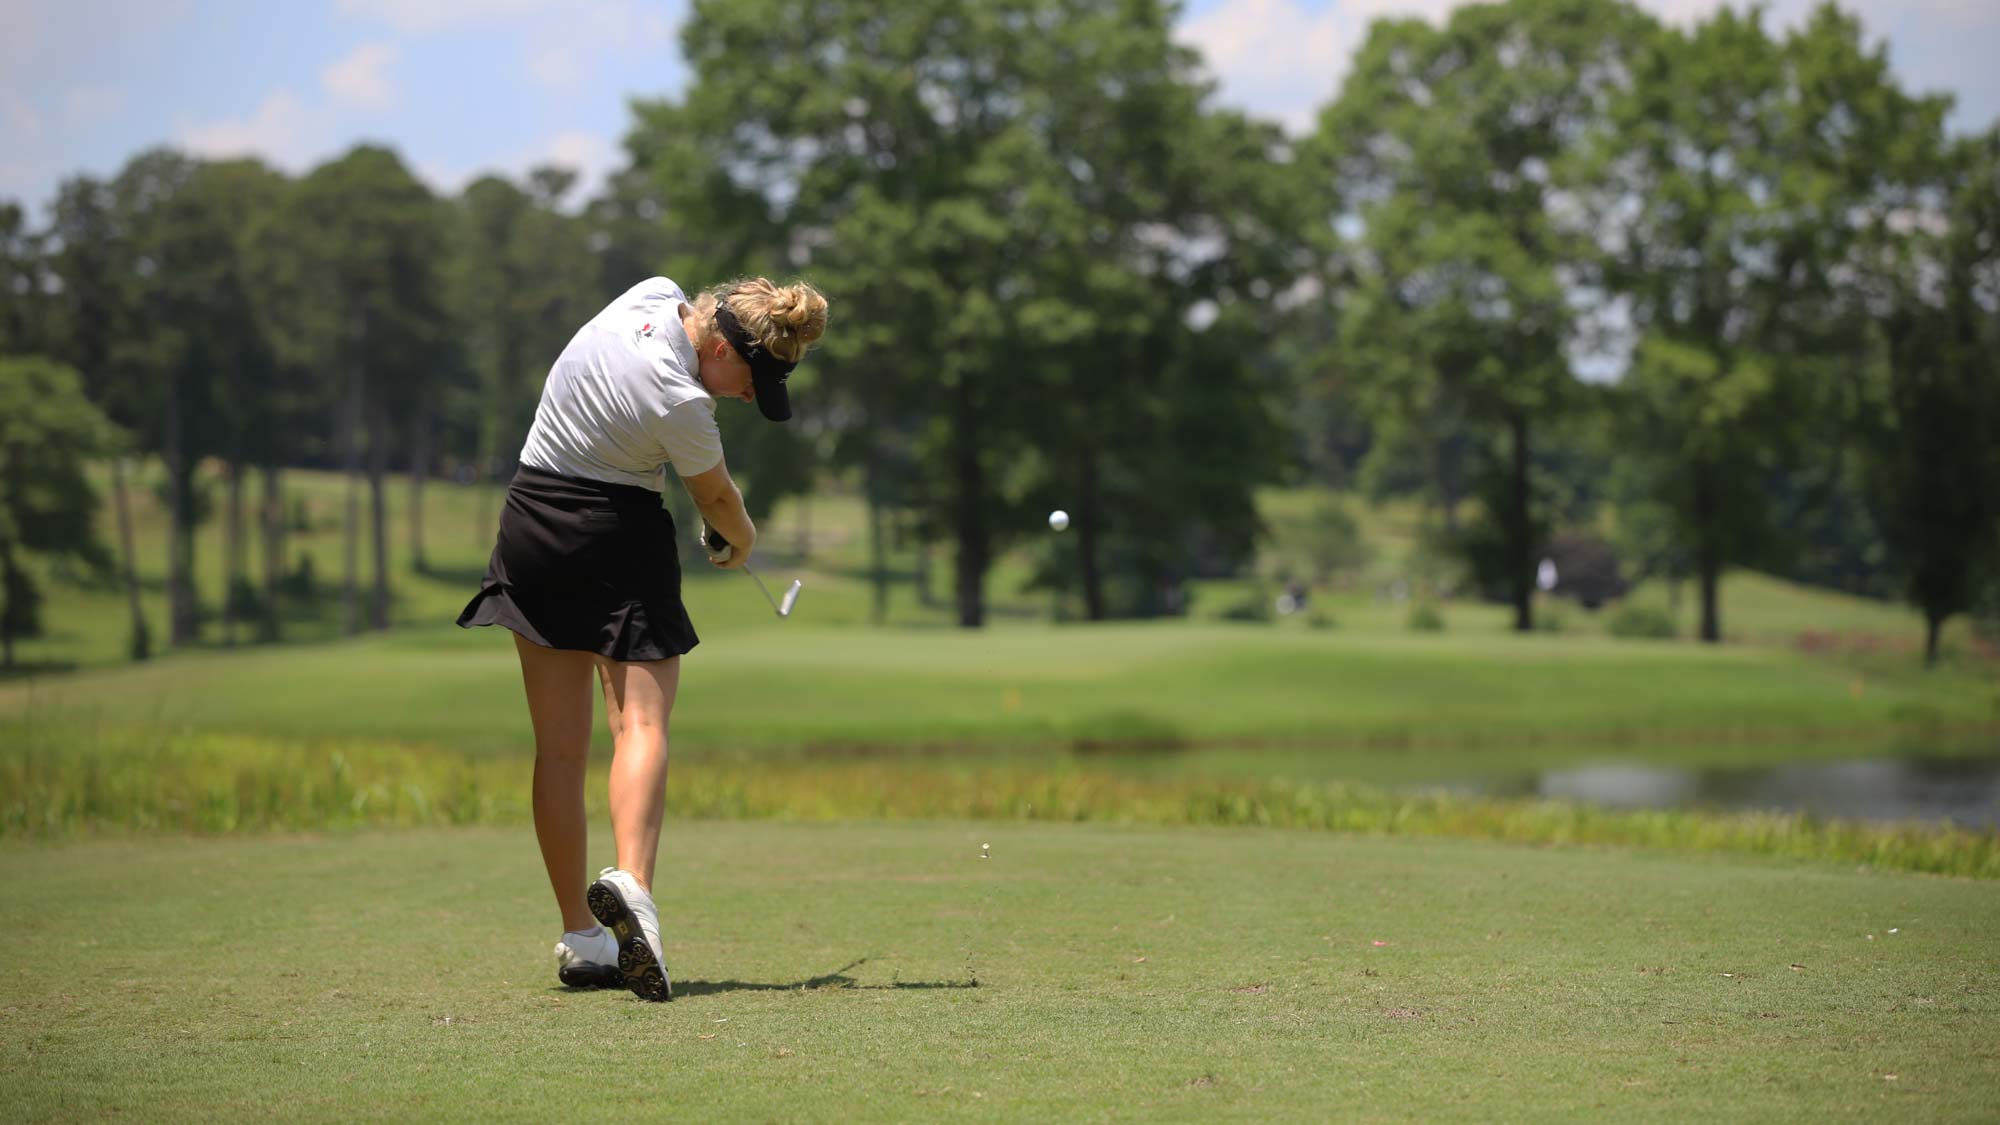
[461, 87]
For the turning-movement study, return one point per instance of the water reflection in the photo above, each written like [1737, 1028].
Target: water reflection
[1964, 790]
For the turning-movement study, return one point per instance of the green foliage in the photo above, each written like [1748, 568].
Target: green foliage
[1441, 150]
[1425, 618]
[1931, 427]
[23, 302]
[1735, 216]
[1257, 605]
[1317, 544]
[48, 430]
[1630, 620]
[1026, 206]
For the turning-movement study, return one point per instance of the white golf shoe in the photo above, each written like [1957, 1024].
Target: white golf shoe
[623, 906]
[589, 960]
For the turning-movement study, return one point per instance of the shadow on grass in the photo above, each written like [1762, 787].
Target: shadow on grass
[29, 669]
[466, 576]
[835, 979]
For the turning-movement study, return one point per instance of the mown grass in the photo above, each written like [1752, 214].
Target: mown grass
[222, 785]
[791, 686]
[823, 539]
[868, 972]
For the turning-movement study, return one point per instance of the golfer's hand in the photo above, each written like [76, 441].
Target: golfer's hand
[722, 554]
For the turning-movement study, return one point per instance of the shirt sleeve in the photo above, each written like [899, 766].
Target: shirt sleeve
[688, 433]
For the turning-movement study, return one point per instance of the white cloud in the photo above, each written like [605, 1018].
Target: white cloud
[23, 122]
[629, 25]
[590, 155]
[92, 103]
[1271, 57]
[361, 78]
[281, 131]
[1284, 59]
[419, 16]
[555, 67]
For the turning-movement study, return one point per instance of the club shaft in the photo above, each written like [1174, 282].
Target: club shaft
[761, 589]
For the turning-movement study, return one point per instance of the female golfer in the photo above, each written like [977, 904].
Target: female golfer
[586, 574]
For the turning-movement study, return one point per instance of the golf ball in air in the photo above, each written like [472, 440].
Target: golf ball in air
[1058, 520]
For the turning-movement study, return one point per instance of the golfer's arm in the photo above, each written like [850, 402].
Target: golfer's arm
[721, 504]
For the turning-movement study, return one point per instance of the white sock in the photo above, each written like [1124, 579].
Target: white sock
[593, 944]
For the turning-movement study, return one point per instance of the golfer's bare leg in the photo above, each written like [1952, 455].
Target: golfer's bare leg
[558, 686]
[641, 695]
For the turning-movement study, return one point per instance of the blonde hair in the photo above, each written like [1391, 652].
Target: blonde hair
[786, 319]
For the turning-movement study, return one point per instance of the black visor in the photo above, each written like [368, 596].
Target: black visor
[767, 372]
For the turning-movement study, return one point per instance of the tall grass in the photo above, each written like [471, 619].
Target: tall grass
[222, 784]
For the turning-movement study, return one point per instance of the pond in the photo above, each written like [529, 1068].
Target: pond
[1965, 790]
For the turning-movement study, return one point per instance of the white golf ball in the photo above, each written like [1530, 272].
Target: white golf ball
[1058, 520]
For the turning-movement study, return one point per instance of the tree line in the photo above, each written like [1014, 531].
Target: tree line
[1064, 277]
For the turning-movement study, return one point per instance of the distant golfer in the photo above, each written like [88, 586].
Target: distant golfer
[586, 574]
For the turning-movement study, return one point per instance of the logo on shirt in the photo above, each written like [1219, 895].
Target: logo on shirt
[646, 331]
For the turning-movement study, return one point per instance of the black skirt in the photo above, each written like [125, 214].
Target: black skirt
[585, 565]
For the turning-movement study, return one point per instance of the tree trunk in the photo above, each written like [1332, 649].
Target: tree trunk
[180, 524]
[350, 447]
[1087, 538]
[974, 541]
[378, 515]
[805, 525]
[1520, 530]
[141, 639]
[921, 576]
[878, 550]
[1708, 554]
[273, 525]
[8, 585]
[420, 467]
[1933, 624]
[1445, 465]
[232, 551]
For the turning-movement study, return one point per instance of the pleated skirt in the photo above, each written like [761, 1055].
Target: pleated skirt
[585, 565]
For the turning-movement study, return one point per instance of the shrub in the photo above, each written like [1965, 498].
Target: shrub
[1641, 621]
[1586, 569]
[1256, 605]
[1425, 618]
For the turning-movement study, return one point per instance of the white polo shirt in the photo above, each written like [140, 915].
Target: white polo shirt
[623, 399]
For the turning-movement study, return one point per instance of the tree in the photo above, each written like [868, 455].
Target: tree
[184, 318]
[1447, 149]
[241, 367]
[22, 296]
[1725, 197]
[980, 178]
[48, 431]
[91, 258]
[374, 321]
[1930, 428]
[525, 272]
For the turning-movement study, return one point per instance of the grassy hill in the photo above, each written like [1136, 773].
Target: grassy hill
[822, 539]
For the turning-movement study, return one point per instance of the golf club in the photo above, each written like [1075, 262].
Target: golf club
[719, 548]
[781, 608]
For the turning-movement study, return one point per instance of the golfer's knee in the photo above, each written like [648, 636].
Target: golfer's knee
[563, 751]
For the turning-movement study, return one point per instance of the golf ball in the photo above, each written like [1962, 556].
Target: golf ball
[1058, 520]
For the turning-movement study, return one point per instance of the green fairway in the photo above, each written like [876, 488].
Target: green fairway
[1311, 704]
[890, 973]
[824, 539]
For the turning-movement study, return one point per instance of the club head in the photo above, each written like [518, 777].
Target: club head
[790, 599]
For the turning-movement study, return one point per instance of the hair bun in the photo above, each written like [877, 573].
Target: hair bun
[799, 310]
[787, 319]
